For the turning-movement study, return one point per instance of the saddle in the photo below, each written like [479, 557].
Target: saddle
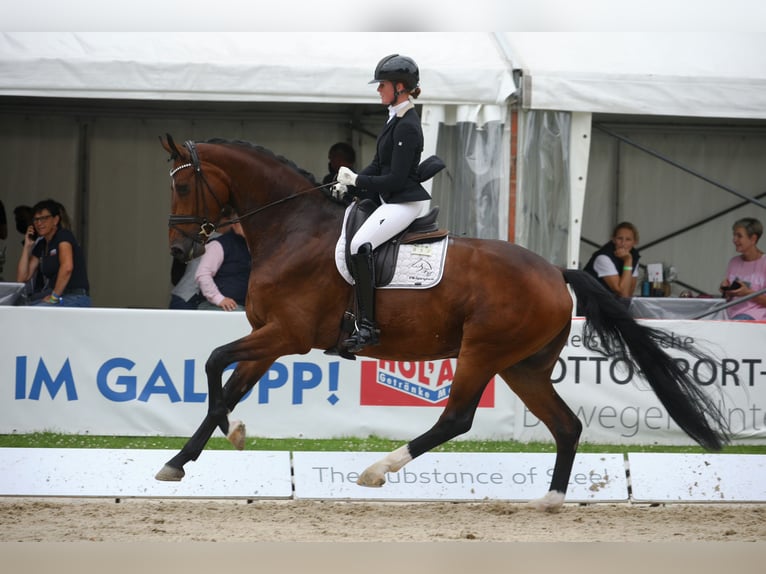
[423, 230]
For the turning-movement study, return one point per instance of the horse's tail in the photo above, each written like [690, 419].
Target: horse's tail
[618, 333]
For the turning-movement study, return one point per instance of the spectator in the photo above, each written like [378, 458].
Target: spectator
[53, 260]
[224, 270]
[185, 293]
[339, 155]
[746, 272]
[615, 264]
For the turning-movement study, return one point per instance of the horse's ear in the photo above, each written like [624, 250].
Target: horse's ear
[170, 146]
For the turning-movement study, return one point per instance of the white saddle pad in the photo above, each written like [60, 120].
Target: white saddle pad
[418, 265]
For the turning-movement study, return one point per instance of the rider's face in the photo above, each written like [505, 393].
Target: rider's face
[386, 92]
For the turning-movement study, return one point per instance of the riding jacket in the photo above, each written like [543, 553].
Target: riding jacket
[393, 174]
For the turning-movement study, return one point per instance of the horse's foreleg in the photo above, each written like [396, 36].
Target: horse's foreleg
[221, 402]
[244, 378]
[174, 468]
[217, 409]
[235, 389]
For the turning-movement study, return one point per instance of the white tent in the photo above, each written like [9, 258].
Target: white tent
[721, 75]
[457, 68]
[466, 77]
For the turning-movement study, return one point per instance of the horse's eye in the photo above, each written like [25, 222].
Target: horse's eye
[182, 189]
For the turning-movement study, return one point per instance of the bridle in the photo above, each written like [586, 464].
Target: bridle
[207, 225]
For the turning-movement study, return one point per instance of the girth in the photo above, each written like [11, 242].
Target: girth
[423, 230]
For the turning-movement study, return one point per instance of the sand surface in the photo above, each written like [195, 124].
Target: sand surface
[151, 520]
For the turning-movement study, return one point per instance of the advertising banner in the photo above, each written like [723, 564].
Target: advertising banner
[142, 373]
[617, 406]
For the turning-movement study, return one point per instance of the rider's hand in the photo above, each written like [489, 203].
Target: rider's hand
[338, 190]
[346, 176]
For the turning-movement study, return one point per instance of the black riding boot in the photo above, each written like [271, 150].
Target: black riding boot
[363, 271]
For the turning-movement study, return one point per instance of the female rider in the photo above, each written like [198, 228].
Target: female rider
[392, 181]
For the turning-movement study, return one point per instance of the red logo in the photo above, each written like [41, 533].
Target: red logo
[413, 384]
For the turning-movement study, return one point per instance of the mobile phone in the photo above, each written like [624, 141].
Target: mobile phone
[733, 286]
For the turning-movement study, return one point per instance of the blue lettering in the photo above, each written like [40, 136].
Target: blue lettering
[274, 378]
[21, 378]
[306, 376]
[153, 386]
[128, 382]
[43, 378]
[189, 395]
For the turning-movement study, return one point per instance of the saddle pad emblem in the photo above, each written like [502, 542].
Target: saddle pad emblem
[419, 265]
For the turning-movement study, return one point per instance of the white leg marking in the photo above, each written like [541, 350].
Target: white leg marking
[236, 434]
[375, 475]
[551, 502]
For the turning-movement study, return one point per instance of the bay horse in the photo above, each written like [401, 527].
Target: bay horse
[499, 309]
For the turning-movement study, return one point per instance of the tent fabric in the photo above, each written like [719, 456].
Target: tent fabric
[456, 68]
[721, 75]
[685, 74]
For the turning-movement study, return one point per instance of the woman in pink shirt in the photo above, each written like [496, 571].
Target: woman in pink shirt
[746, 272]
[224, 271]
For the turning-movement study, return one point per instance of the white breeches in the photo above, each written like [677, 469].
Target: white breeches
[386, 221]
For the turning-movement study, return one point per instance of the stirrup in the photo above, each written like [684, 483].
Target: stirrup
[366, 335]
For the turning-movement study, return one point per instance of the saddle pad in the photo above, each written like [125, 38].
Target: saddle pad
[418, 266]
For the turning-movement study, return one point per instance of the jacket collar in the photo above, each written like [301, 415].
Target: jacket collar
[399, 111]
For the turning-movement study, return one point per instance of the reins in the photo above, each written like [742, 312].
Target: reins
[207, 227]
[276, 202]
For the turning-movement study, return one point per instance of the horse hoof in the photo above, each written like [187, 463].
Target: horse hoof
[551, 502]
[170, 474]
[371, 478]
[236, 434]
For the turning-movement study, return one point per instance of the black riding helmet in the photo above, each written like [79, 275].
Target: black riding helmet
[396, 68]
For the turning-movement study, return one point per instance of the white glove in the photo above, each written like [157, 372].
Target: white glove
[338, 190]
[346, 176]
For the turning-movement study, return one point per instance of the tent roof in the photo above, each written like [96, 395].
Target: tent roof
[662, 73]
[721, 75]
[284, 67]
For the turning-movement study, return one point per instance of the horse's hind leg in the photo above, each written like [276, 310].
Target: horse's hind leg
[534, 387]
[456, 419]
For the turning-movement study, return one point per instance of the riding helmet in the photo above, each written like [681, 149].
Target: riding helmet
[396, 68]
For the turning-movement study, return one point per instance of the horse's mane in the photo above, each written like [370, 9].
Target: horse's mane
[308, 175]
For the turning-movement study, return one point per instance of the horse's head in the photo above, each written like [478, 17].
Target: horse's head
[199, 193]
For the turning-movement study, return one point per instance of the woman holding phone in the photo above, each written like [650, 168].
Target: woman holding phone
[53, 258]
[746, 272]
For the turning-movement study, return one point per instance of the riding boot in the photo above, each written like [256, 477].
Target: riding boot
[363, 271]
